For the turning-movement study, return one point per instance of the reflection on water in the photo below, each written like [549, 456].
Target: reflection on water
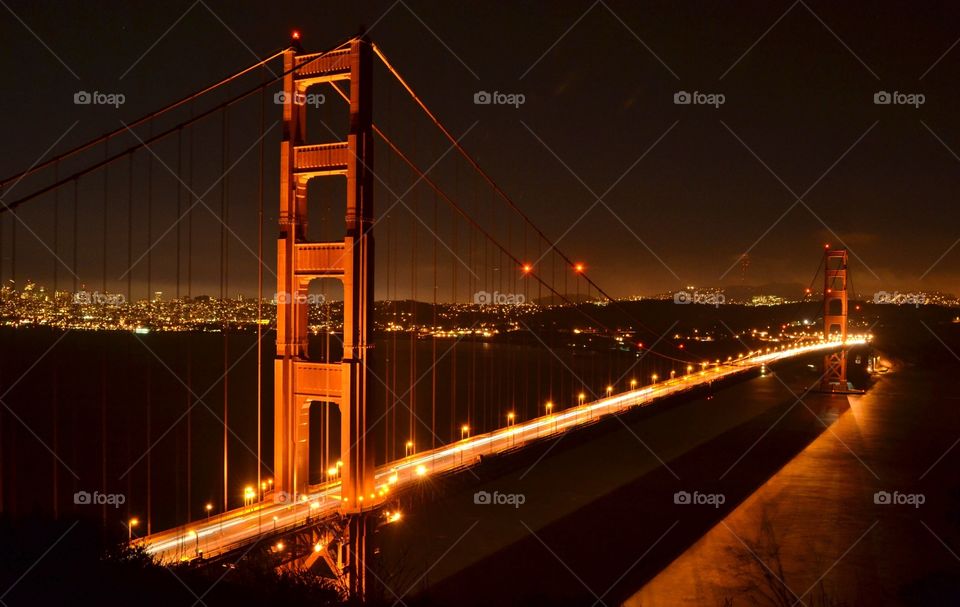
[814, 534]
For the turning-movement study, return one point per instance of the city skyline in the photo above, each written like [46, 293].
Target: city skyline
[671, 162]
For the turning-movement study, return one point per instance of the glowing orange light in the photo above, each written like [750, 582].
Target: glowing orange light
[527, 268]
[579, 267]
[295, 34]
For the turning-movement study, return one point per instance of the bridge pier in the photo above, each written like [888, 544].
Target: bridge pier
[345, 383]
[835, 307]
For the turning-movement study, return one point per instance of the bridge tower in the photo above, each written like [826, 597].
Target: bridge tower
[835, 319]
[298, 381]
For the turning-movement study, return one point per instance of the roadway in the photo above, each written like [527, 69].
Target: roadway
[231, 530]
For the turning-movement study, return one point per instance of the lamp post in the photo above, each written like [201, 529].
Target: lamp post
[464, 431]
[633, 384]
[408, 449]
[193, 534]
[208, 508]
[130, 525]
[549, 409]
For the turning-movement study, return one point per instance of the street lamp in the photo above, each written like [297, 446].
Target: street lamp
[408, 449]
[654, 377]
[130, 525]
[609, 390]
[581, 397]
[193, 534]
[510, 418]
[248, 495]
[464, 431]
[633, 384]
[208, 508]
[549, 406]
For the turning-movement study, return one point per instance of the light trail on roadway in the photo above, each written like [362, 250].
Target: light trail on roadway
[231, 530]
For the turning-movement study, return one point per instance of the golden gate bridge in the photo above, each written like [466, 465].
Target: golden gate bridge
[312, 504]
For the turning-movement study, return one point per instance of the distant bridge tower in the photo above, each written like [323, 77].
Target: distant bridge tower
[835, 319]
[298, 381]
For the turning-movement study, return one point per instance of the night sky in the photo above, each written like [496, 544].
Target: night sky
[797, 155]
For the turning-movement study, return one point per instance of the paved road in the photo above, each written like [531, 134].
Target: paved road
[233, 528]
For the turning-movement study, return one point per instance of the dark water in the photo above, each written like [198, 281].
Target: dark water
[106, 411]
[817, 523]
[599, 518]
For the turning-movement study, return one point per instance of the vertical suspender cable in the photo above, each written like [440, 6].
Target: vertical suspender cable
[223, 261]
[106, 203]
[150, 223]
[56, 233]
[260, 297]
[189, 392]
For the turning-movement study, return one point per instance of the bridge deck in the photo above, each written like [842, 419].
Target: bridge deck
[226, 532]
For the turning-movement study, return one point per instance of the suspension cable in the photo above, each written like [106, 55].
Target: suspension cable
[453, 140]
[110, 135]
[6, 207]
